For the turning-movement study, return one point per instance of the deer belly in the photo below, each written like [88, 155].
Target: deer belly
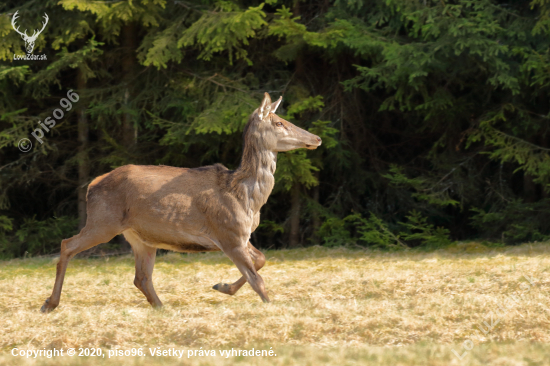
[188, 248]
[178, 241]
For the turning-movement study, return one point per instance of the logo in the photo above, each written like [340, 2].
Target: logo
[29, 40]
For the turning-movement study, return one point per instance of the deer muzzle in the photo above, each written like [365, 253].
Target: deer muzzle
[313, 141]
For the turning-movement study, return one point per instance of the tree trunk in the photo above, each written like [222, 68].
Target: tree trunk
[529, 188]
[294, 237]
[129, 126]
[129, 45]
[315, 217]
[294, 240]
[530, 193]
[545, 142]
[83, 159]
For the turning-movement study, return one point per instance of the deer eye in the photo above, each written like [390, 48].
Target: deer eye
[279, 124]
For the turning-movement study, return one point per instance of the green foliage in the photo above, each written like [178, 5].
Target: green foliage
[433, 114]
[271, 226]
[227, 114]
[37, 236]
[34, 236]
[515, 221]
[294, 166]
[160, 48]
[542, 25]
[325, 132]
[374, 232]
[305, 105]
[424, 188]
[335, 232]
[533, 159]
[112, 16]
[16, 74]
[6, 224]
[286, 24]
[418, 229]
[224, 29]
[79, 59]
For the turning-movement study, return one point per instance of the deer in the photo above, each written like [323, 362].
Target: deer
[29, 41]
[187, 210]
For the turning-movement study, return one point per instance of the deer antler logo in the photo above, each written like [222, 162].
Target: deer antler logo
[29, 41]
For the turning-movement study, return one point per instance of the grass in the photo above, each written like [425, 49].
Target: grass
[329, 306]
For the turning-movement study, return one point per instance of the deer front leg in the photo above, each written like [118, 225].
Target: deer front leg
[259, 261]
[241, 257]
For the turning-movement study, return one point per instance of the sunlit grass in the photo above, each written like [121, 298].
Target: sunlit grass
[329, 306]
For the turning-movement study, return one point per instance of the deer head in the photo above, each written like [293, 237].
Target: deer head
[278, 134]
[29, 41]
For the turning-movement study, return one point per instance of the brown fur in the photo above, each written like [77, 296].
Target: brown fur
[209, 208]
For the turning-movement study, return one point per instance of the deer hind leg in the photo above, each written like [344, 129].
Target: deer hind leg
[242, 259]
[259, 261]
[145, 261]
[86, 239]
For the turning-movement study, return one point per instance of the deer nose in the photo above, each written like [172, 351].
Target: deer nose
[318, 139]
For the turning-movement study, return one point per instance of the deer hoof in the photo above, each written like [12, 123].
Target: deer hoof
[223, 288]
[46, 308]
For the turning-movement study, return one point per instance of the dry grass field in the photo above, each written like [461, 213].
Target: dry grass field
[329, 307]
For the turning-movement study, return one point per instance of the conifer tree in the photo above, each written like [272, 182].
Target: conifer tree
[434, 115]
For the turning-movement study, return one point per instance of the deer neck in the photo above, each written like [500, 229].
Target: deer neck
[254, 179]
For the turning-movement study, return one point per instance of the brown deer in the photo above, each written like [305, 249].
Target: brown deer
[204, 209]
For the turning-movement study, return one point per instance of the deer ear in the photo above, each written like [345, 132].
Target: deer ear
[265, 107]
[275, 105]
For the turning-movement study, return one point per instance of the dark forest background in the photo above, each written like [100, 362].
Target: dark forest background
[435, 115]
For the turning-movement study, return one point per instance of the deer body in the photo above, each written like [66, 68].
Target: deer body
[189, 210]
